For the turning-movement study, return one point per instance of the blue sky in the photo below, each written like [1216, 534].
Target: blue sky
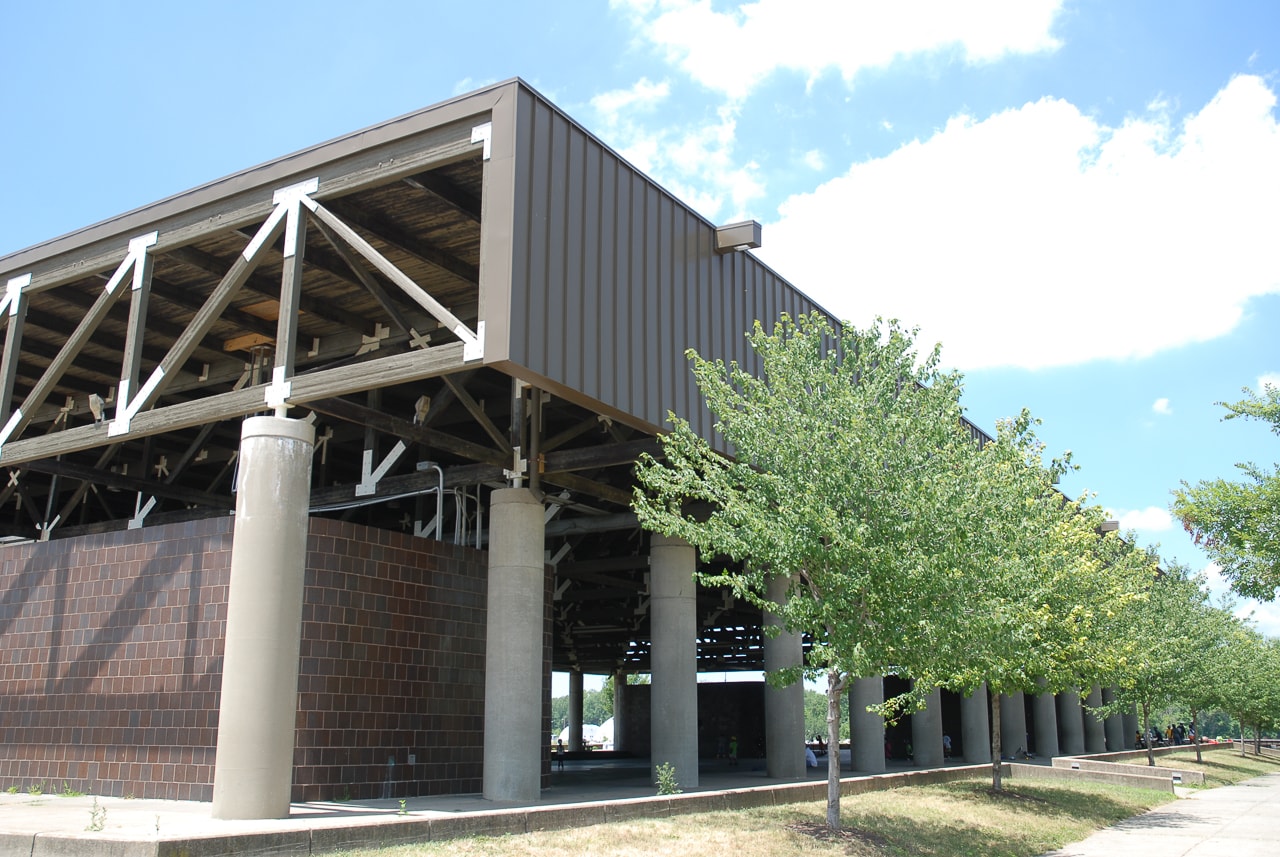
[1077, 199]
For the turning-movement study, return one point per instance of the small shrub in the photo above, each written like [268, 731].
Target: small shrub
[403, 811]
[667, 784]
[35, 789]
[97, 817]
[13, 790]
[67, 791]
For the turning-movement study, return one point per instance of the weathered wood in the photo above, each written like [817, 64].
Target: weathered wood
[401, 240]
[213, 306]
[88, 324]
[407, 431]
[339, 381]
[478, 414]
[371, 285]
[16, 312]
[415, 292]
[106, 478]
[593, 457]
[131, 364]
[290, 291]
[590, 487]
[448, 192]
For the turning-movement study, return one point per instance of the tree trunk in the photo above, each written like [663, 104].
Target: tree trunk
[1146, 733]
[1241, 737]
[1195, 730]
[835, 687]
[1257, 739]
[996, 764]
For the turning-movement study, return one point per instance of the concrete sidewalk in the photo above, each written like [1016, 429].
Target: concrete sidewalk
[1231, 821]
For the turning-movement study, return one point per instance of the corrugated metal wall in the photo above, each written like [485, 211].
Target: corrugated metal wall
[613, 278]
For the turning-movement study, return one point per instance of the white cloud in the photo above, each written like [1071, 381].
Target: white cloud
[813, 160]
[643, 95]
[1161, 406]
[1269, 379]
[696, 163]
[1264, 615]
[1039, 237]
[1152, 519]
[733, 51]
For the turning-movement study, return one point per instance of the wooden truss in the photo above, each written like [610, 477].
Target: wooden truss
[293, 208]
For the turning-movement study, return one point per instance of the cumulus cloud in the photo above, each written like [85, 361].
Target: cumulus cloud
[644, 94]
[1162, 407]
[1039, 236]
[1152, 519]
[732, 51]
[1270, 379]
[697, 163]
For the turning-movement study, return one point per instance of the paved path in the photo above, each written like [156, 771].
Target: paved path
[1232, 821]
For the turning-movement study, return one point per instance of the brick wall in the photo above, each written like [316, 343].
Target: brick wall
[111, 657]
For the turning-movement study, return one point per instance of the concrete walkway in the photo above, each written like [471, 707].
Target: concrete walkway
[1232, 821]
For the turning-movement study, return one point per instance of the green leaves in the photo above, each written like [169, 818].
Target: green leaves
[1238, 523]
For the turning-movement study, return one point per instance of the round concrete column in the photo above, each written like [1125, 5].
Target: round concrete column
[673, 656]
[513, 728]
[1095, 735]
[258, 707]
[866, 730]
[1013, 724]
[1046, 712]
[926, 732]
[975, 726]
[575, 710]
[1070, 723]
[783, 706]
[1113, 725]
[619, 711]
[1131, 727]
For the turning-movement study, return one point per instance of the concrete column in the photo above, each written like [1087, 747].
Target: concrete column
[619, 711]
[253, 771]
[1046, 713]
[1113, 724]
[926, 732]
[575, 710]
[1013, 724]
[783, 706]
[673, 658]
[866, 730]
[1131, 727]
[975, 726]
[513, 728]
[1070, 723]
[1095, 735]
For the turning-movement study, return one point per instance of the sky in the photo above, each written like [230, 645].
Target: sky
[1077, 199]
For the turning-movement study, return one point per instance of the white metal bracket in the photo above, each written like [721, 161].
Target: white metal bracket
[370, 478]
[12, 293]
[484, 134]
[141, 511]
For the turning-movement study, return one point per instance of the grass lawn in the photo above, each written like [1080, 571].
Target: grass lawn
[946, 820]
[1220, 767]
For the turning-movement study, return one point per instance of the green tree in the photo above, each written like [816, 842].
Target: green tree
[843, 479]
[1238, 523]
[815, 715]
[1252, 689]
[1173, 640]
[1037, 581]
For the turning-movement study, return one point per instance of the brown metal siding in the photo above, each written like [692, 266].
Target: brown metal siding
[613, 278]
